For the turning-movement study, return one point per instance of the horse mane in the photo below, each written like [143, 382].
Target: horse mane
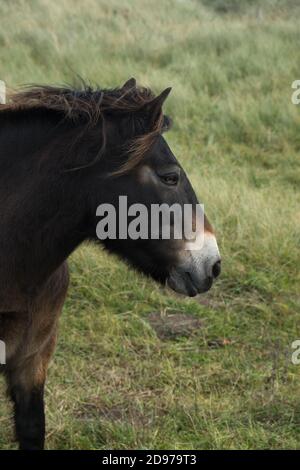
[88, 105]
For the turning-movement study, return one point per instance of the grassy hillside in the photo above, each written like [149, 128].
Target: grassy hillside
[120, 380]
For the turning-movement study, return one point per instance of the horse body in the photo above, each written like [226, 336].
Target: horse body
[58, 148]
[33, 285]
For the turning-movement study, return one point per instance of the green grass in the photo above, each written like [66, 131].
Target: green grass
[113, 382]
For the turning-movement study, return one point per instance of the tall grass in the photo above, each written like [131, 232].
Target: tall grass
[114, 383]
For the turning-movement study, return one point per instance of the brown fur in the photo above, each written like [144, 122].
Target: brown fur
[30, 335]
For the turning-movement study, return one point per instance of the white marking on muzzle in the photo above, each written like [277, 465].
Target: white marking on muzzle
[202, 254]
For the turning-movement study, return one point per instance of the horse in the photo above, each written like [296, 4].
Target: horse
[63, 152]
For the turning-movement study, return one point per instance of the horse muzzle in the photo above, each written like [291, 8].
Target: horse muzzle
[197, 269]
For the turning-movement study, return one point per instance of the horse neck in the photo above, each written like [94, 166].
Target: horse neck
[44, 211]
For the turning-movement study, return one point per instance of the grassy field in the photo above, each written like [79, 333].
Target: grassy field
[137, 366]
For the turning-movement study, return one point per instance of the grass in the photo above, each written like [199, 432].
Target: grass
[229, 383]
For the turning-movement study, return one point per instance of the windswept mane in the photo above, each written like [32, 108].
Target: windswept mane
[89, 106]
[85, 103]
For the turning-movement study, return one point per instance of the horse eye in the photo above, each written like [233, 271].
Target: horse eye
[171, 179]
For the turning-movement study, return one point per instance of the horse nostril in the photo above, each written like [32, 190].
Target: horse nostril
[216, 269]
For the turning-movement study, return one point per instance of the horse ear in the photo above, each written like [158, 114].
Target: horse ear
[153, 109]
[131, 83]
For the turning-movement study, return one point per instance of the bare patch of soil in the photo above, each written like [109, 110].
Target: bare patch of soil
[173, 325]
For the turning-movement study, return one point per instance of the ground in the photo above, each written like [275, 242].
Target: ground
[137, 366]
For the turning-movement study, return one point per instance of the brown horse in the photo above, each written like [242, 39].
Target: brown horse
[62, 153]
